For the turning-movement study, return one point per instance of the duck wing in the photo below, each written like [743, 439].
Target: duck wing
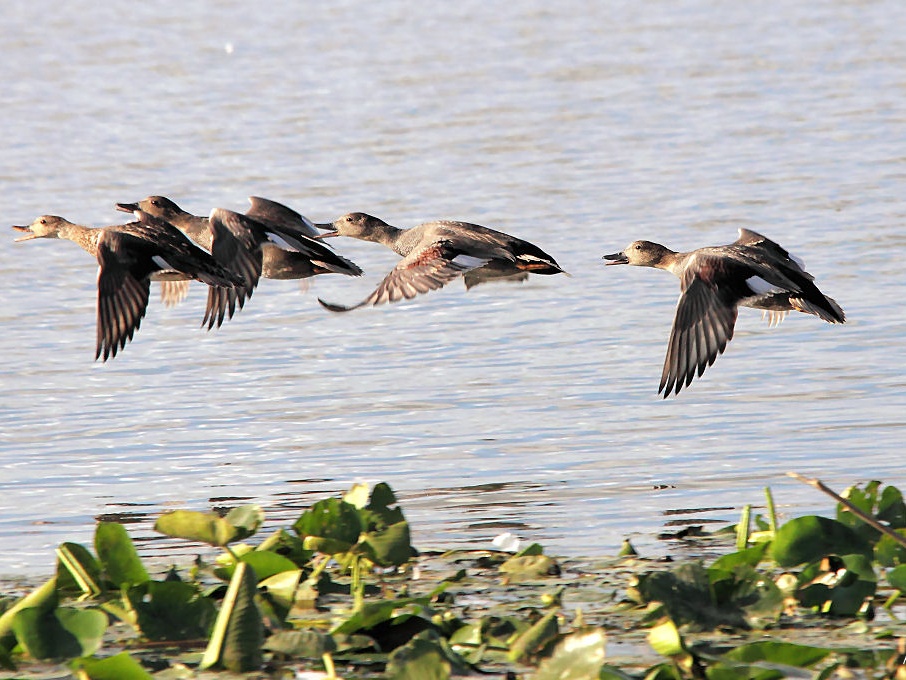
[788, 284]
[423, 270]
[277, 215]
[236, 245]
[702, 327]
[123, 290]
[291, 231]
[173, 292]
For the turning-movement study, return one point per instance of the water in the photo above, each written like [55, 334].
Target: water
[525, 408]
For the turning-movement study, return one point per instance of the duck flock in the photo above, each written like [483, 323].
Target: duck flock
[230, 251]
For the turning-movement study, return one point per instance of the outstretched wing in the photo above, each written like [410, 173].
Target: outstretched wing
[422, 270]
[122, 296]
[236, 245]
[702, 327]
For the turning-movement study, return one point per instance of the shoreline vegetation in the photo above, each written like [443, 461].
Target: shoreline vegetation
[343, 593]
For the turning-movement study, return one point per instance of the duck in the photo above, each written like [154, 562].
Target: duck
[435, 253]
[130, 256]
[270, 240]
[753, 271]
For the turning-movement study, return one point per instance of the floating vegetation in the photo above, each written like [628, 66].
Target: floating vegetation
[343, 593]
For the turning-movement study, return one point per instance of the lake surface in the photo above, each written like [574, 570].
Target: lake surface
[526, 408]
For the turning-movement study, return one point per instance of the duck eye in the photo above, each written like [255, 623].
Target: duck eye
[638, 247]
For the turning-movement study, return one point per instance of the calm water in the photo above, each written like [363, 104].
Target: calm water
[532, 408]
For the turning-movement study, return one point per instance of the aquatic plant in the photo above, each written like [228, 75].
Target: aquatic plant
[345, 590]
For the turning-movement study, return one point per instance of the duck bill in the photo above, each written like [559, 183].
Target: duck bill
[29, 234]
[127, 207]
[616, 258]
[328, 229]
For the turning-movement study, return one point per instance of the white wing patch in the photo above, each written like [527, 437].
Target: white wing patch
[469, 261]
[760, 287]
[279, 241]
[162, 263]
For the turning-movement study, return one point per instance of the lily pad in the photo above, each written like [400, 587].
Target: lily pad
[334, 524]
[579, 656]
[425, 657]
[117, 667]
[118, 556]
[887, 506]
[171, 610]
[530, 567]
[806, 539]
[303, 644]
[59, 633]
[838, 586]
[204, 527]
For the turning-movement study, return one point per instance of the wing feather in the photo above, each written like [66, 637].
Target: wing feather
[425, 269]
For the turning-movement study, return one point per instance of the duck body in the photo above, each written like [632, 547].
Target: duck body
[130, 256]
[271, 241]
[435, 253]
[714, 282]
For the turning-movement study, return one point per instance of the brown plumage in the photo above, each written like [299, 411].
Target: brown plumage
[270, 241]
[751, 272]
[435, 253]
[130, 256]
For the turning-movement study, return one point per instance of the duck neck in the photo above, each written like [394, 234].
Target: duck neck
[86, 237]
[385, 234]
[673, 262]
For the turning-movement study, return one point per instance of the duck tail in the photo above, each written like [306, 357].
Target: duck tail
[825, 308]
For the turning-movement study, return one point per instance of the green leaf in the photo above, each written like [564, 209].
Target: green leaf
[373, 613]
[205, 527]
[810, 538]
[43, 597]
[425, 657]
[267, 564]
[529, 567]
[838, 586]
[896, 577]
[749, 557]
[236, 640]
[246, 519]
[889, 552]
[686, 594]
[77, 570]
[117, 667]
[886, 506]
[378, 514]
[171, 610]
[334, 522]
[60, 633]
[391, 547]
[786, 653]
[579, 656]
[665, 639]
[303, 644]
[535, 638]
[529, 550]
[282, 587]
[118, 556]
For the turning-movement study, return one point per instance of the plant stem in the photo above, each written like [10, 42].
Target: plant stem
[868, 519]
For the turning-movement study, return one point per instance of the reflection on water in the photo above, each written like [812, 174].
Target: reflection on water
[528, 408]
